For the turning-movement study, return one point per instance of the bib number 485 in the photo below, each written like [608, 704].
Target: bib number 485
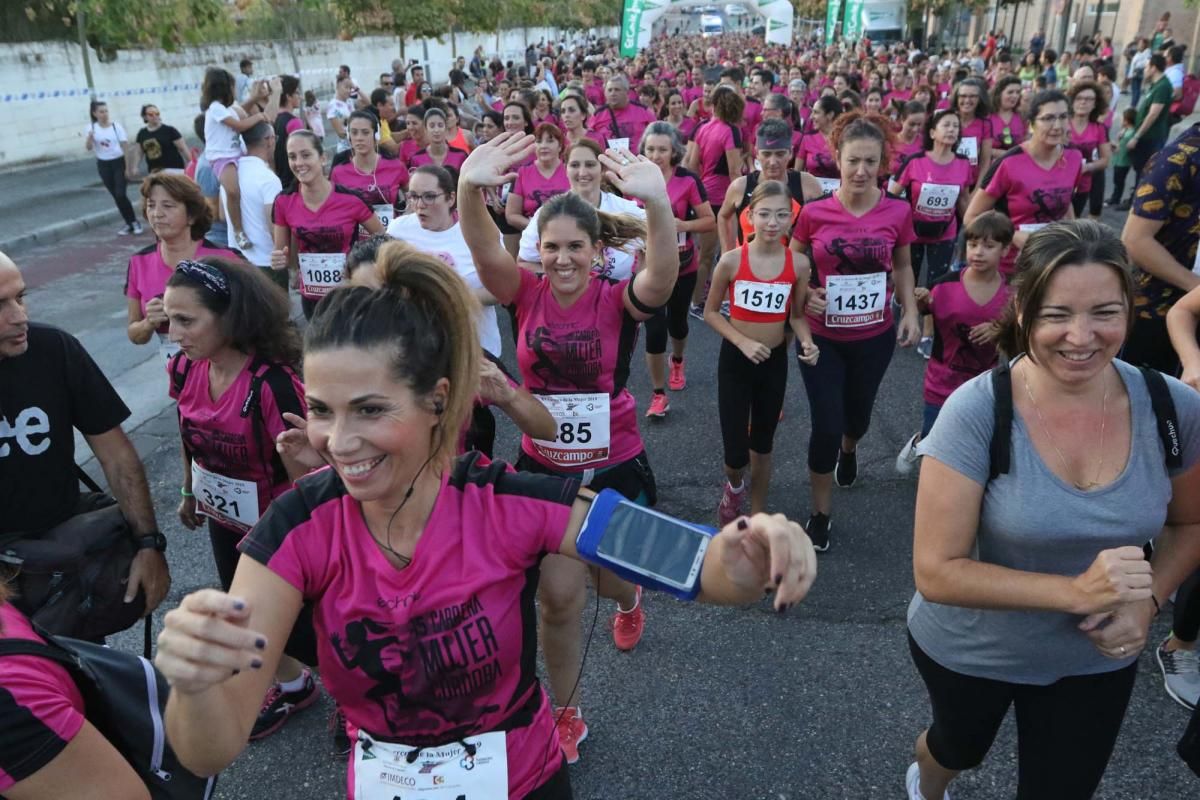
[575, 432]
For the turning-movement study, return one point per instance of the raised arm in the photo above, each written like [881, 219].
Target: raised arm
[489, 165]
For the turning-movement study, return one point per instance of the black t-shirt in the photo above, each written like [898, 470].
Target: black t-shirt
[282, 168]
[50, 389]
[159, 147]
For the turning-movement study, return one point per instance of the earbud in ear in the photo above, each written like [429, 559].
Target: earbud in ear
[438, 408]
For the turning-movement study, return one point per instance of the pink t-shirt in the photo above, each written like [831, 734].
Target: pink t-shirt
[595, 93]
[1088, 144]
[147, 275]
[955, 358]
[814, 157]
[691, 94]
[453, 159]
[409, 148]
[535, 188]
[686, 191]
[629, 122]
[1035, 196]
[974, 134]
[843, 244]
[905, 150]
[42, 709]
[1006, 136]
[383, 187]
[751, 118]
[687, 128]
[332, 228]
[228, 436]
[582, 349]
[444, 648]
[934, 217]
[713, 139]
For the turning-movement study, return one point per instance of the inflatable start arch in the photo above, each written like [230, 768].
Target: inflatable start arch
[639, 16]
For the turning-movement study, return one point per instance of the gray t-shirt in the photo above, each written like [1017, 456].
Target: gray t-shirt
[1032, 520]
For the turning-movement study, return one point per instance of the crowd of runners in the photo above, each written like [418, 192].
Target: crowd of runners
[827, 204]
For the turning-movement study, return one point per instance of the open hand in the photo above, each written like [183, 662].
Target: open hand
[636, 176]
[492, 163]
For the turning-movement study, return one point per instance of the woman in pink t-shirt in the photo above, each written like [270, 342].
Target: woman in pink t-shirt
[857, 240]
[380, 181]
[1089, 136]
[316, 223]
[233, 381]
[1036, 180]
[814, 154]
[179, 217]
[437, 151]
[538, 182]
[1008, 129]
[50, 749]
[573, 117]
[419, 566]
[662, 144]
[970, 102]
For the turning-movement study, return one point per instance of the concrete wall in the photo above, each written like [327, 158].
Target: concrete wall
[44, 95]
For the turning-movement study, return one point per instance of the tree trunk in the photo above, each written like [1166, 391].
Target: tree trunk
[1195, 40]
[83, 50]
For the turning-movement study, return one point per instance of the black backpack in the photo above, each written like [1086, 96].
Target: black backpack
[124, 697]
[1000, 448]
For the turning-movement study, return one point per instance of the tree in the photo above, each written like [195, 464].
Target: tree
[116, 24]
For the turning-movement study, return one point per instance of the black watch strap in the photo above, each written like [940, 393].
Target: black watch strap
[154, 540]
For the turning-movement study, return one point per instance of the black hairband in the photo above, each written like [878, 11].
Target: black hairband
[207, 275]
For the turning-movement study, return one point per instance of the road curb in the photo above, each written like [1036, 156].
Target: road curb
[58, 231]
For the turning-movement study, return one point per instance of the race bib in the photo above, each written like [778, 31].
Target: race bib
[682, 238]
[229, 501]
[829, 184]
[1032, 227]
[384, 213]
[762, 298]
[582, 421]
[382, 770]
[618, 144]
[937, 199]
[855, 301]
[321, 272]
[968, 147]
[166, 348]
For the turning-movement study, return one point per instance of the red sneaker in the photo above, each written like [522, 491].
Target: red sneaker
[627, 626]
[659, 405]
[572, 730]
[730, 507]
[677, 382]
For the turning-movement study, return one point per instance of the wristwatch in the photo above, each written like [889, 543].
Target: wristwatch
[154, 540]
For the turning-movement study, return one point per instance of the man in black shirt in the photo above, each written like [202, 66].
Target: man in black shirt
[286, 121]
[162, 145]
[49, 385]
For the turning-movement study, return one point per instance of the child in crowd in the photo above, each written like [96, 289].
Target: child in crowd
[1120, 162]
[965, 306]
[224, 121]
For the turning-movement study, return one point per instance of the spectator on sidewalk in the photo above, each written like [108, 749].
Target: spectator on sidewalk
[114, 161]
[245, 80]
[1153, 124]
[161, 144]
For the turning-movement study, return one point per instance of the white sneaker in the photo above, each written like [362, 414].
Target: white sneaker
[137, 229]
[912, 781]
[1181, 674]
[908, 456]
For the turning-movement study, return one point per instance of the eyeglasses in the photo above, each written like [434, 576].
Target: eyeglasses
[1050, 119]
[425, 199]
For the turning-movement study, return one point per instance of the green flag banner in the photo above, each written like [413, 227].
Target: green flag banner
[833, 13]
[853, 27]
[631, 22]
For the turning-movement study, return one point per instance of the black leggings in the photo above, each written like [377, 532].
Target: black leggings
[938, 254]
[1065, 731]
[302, 643]
[841, 390]
[112, 173]
[1093, 199]
[1149, 344]
[557, 788]
[749, 393]
[672, 318]
[1119, 176]
[1185, 623]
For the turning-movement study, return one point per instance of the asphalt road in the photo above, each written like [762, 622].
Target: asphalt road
[714, 702]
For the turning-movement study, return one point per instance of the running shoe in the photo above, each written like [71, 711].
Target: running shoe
[818, 528]
[908, 455]
[279, 705]
[126, 231]
[137, 229]
[1181, 674]
[696, 311]
[730, 507]
[627, 626]
[913, 781]
[572, 730]
[925, 347]
[659, 405]
[847, 469]
[337, 726]
[677, 381]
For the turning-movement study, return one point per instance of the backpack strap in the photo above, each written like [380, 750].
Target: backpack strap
[1000, 448]
[28, 647]
[179, 374]
[86, 480]
[1165, 415]
[284, 394]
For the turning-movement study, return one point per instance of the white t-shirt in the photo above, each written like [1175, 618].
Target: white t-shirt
[340, 109]
[618, 264]
[106, 142]
[1175, 75]
[220, 140]
[449, 246]
[259, 186]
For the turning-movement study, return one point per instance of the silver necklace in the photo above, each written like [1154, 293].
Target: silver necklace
[1086, 487]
